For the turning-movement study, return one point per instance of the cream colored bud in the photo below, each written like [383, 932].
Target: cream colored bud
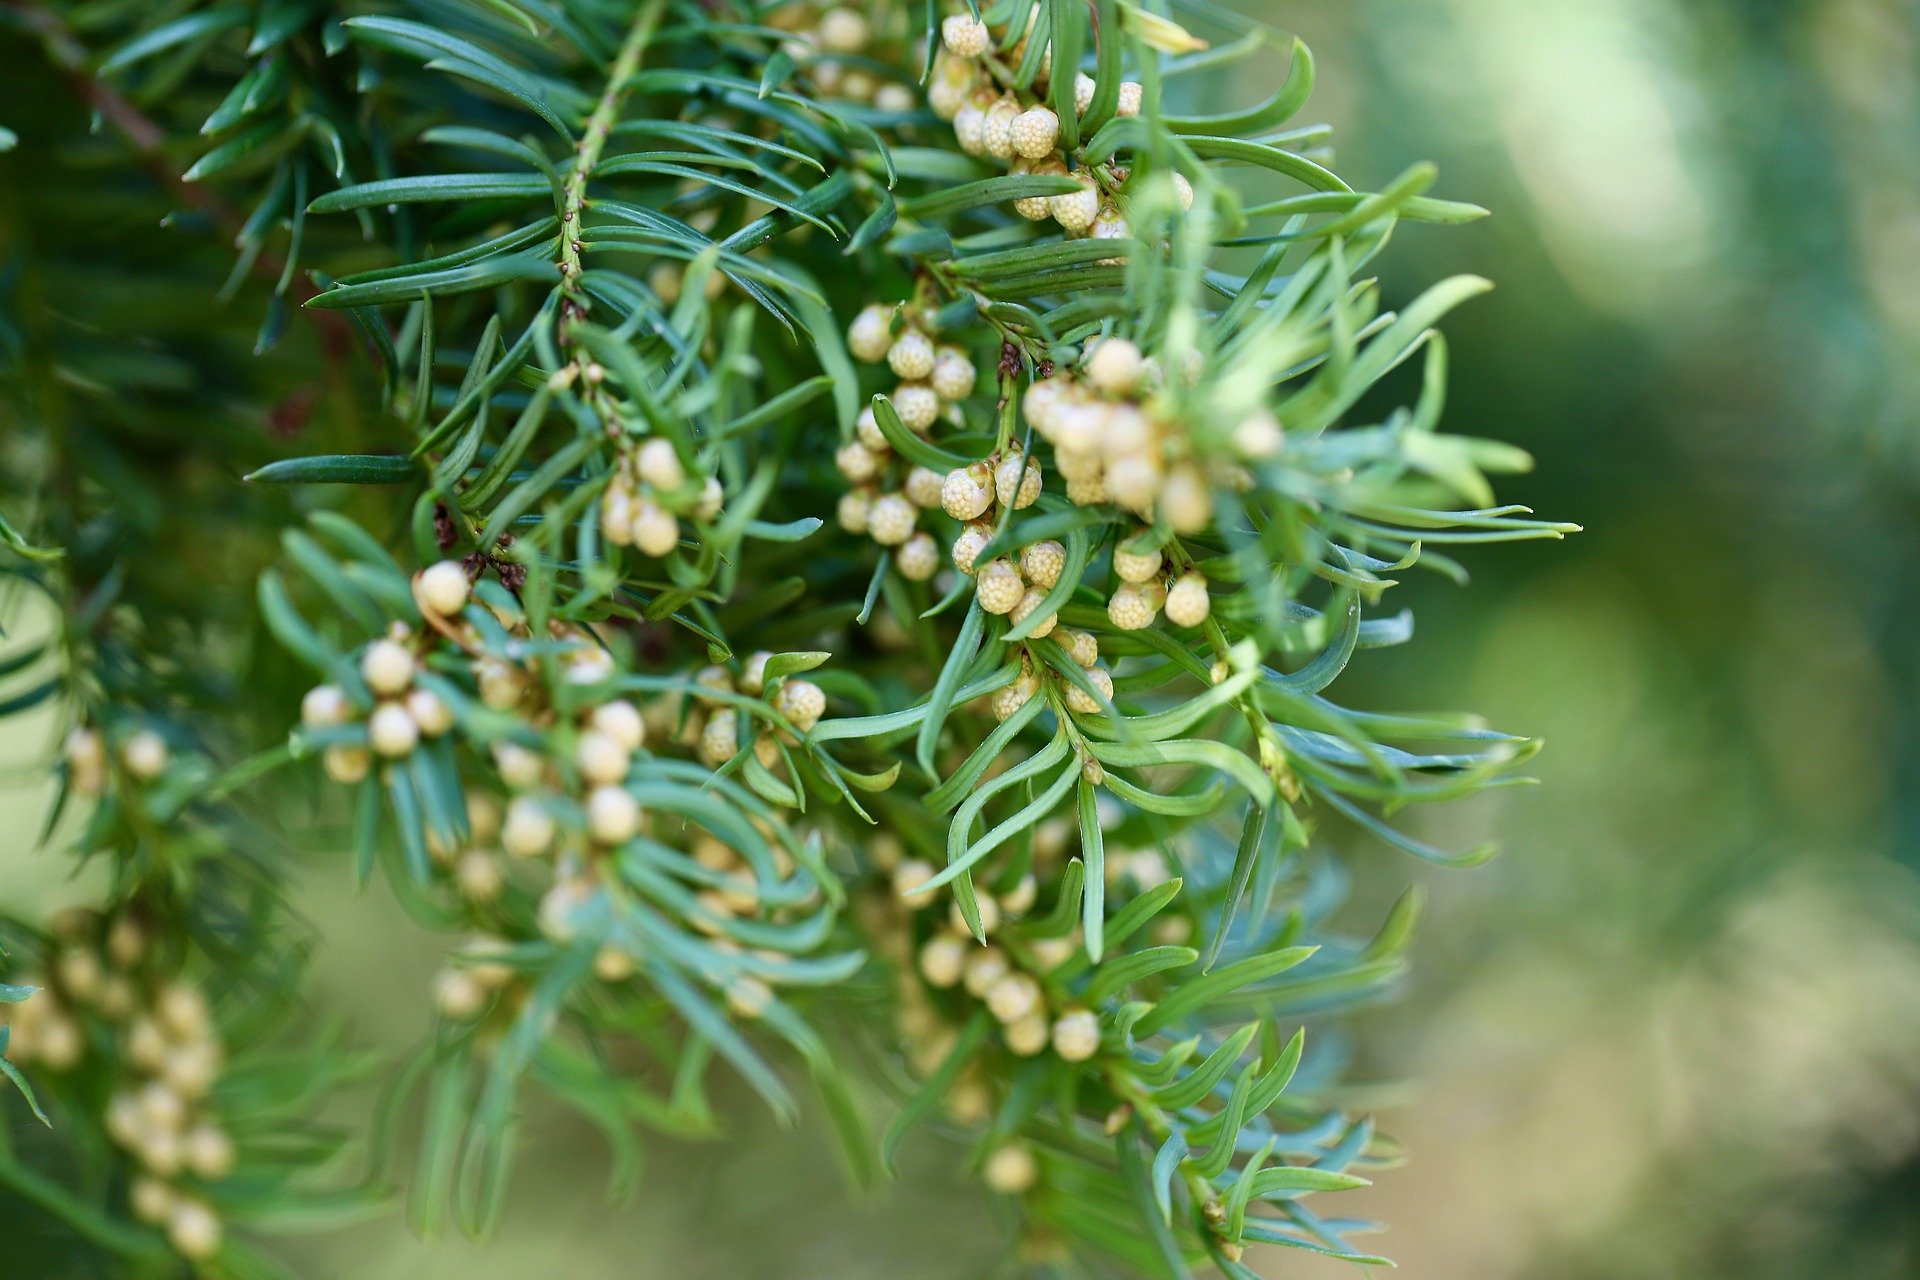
[996, 130]
[1183, 191]
[894, 98]
[1187, 602]
[1185, 502]
[1042, 562]
[918, 558]
[191, 1069]
[1011, 1170]
[601, 758]
[911, 355]
[870, 334]
[655, 530]
[126, 941]
[519, 767]
[144, 754]
[970, 128]
[1013, 997]
[444, 588]
[866, 429]
[1076, 210]
[753, 673]
[613, 815]
[429, 712]
[658, 464]
[968, 546]
[150, 1199]
[917, 405]
[1115, 367]
[925, 487]
[1009, 700]
[478, 876]
[953, 375]
[208, 1152]
[965, 36]
[967, 492]
[856, 462]
[1076, 1035]
[391, 731]
[1029, 603]
[621, 721]
[712, 499]
[1083, 90]
[1016, 481]
[1137, 566]
[909, 875]
[1134, 481]
[324, 706]
[802, 702]
[528, 829]
[1080, 700]
[1036, 132]
[458, 994]
[987, 908]
[387, 666]
[749, 997]
[892, 518]
[182, 1011]
[194, 1230]
[943, 959]
[1080, 645]
[719, 739]
[346, 764]
[612, 964]
[1129, 101]
[998, 586]
[985, 966]
[1027, 1036]
[854, 509]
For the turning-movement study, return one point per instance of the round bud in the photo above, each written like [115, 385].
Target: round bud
[943, 959]
[1016, 480]
[1042, 562]
[1185, 502]
[443, 588]
[208, 1151]
[965, 36]
[1133, 481]
[144, 754]
[1129, 102]
[658, 464]
[967, 547]
[985, 967]
[894, 98]
[126, 941]
[611, 964]
[527, 831]
[841, 30]
[909, 875]
[1030, 602]
[458, 994]
[1183, 191]
[391, 731]
[1258, 435]
[1080, 645]
[891, 520]
[1011, 1170]
[953, 374]
[917, 404]
[749, 997]
[970, 128]
[925, 487]
[802, 702]
[193, 1230]
[996, 131]
[869, 336]
[1009, 700]
[911, 355]
[621, 721]
[1027, 1036]
[182, 1011]
[161, 1107]
[753, 673]
[1136, 566]
[346, 764]
[1132, 607]
[1115, 367]
[853, 509]
[1013, 997]
[998, 586]
[1083, 89]
[519, 767]
[918, 558]
[1085, 703]
[967, 492]
[191, 1069]
[1076, 1035]
[430, 712]
[856, 462]
[1187, 601]
[150, 1199]
[600, 758]
[387, 667]
[719, 739]
[655, 531]
[711, 501]
[1110, 224]
[478, 876]
[1076, 210]
[1036, 132]
[613, 815]
[866, 429]
[323, 706]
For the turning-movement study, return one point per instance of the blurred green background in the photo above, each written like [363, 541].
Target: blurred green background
[1675, 1031]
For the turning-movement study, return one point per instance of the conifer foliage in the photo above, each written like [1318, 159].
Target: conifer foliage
[812, 545]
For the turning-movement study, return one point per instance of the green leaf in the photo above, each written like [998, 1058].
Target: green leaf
[338, 468]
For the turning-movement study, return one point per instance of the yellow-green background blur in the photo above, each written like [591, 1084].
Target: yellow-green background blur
[1675, 1031]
